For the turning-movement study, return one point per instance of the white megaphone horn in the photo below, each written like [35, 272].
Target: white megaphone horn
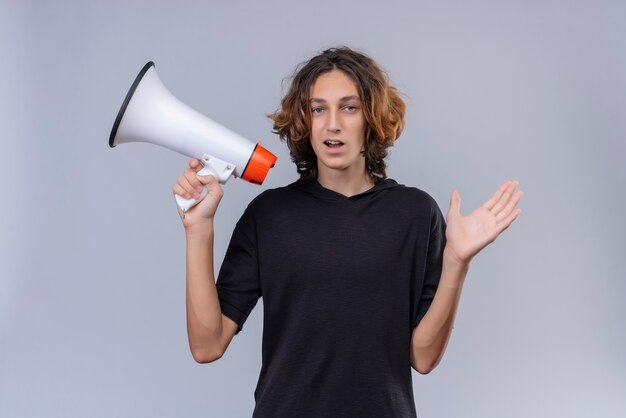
[150, 113]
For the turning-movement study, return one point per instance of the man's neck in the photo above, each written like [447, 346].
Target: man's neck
[346, 182]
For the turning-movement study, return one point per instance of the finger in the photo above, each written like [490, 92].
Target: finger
[509, 206]
[496, 196]
[181, 192]
[184, 183]
[509, 220]
[504, 199]
[455, 203]
[192, 178]
[212, 185]
[195, 164]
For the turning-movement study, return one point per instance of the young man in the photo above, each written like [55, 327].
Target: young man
[360, 276]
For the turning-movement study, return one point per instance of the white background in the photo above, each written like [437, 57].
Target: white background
[92, 279]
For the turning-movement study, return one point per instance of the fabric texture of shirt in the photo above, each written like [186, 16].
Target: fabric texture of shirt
[344, 281]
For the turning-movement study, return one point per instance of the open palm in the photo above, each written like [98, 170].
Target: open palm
[467, 235]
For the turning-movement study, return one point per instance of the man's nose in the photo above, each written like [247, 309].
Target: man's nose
[334, 124]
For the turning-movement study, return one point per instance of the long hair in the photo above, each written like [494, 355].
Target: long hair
[383, 109]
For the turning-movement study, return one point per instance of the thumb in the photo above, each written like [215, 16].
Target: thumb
[206, 179]
[455, 203]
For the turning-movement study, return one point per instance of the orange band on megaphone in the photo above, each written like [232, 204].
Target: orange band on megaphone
[260, 163]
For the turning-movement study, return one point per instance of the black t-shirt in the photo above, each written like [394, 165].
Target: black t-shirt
[344, 281]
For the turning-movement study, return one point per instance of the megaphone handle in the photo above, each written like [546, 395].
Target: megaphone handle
[215, 167]
[186, 204]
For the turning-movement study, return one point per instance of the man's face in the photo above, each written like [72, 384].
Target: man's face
[337, 124]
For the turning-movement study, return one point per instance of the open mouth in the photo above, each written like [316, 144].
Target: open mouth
[331, 143]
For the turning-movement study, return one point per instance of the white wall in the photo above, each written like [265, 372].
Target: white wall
[92, 314]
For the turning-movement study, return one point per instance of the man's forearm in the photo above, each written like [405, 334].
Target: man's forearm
[430, 337]
[204, 316]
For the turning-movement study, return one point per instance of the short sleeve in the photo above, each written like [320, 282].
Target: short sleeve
[430, 265]
[238, 284]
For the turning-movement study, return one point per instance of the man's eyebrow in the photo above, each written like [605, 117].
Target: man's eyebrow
[343, 99]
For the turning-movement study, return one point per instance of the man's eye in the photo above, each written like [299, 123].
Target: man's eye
[317, 110]
[350, 108]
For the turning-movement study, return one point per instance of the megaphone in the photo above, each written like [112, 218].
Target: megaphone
[150, 113]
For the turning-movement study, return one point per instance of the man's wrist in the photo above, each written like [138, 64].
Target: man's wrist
[200, 230]
[452, 260]
[454, 270]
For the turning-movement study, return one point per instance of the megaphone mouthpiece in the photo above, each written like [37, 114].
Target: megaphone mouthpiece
[260, 163]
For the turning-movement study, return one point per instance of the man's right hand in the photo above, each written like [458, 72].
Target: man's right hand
[189, 186]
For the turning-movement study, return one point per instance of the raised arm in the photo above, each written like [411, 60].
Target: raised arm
[465, 237]
[209, 331]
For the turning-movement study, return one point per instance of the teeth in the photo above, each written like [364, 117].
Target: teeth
[333, 142]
